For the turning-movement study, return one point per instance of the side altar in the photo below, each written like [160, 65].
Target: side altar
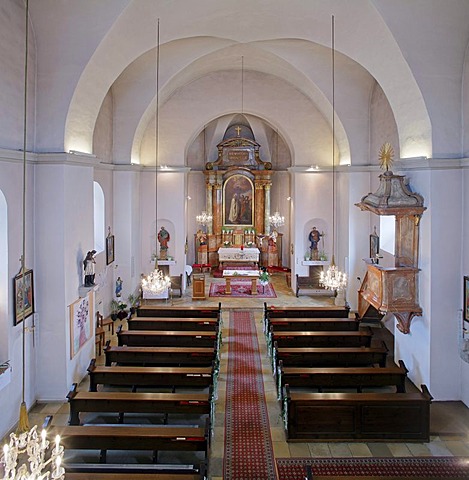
[237, 192]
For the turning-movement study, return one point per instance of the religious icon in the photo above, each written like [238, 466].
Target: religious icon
[374, 247]
[238, 202]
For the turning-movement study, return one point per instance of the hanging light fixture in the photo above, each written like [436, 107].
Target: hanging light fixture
[204, 218]
[276, 220]
[25, 457]
[156, 282]
[333, 278]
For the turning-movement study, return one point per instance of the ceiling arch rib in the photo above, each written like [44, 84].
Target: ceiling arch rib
[368, 50]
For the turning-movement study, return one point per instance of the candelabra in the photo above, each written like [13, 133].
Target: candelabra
[155, 282]
[29, 448]
[277, 220]
[204, 218]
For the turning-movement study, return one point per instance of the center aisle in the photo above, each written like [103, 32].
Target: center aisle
[248, 451]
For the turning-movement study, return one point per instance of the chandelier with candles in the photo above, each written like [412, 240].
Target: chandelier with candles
[156, 282]
[27, 457]
[277, 220]
[333, 278]
[204, 218]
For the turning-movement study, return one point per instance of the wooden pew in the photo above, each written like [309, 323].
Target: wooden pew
[360, 338]
[330, 357]
[200, 377]
[313, 324]
[161, 356]
[306, 312]
[169, 323]
[342, 377]
[155, 311]
[357, 416]
[128, 402]
[124, 437]
[135, 471]
[164, 338]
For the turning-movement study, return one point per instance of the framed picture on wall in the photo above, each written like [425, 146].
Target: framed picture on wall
[109, 249]
[23, 302]
[374, 246]
[466, 299]
[81, 313]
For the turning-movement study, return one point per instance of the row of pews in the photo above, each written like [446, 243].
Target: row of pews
[335, 382]
[162, 375]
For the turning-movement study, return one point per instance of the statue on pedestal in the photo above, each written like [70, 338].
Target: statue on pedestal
[163, 238]
[88, 265]
[314, 237]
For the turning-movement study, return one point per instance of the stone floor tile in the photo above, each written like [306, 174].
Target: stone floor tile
[360, 450]
[439, 449]
[281, 449]
[299, 450]
[320, 450]
[419, 450]
[379, 449]
[458, 449]
[277, 434]
[340, 450]
[399, 449]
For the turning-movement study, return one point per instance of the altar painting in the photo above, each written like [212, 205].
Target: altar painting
[238, 201]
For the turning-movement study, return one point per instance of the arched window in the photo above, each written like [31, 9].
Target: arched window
[99, 221]
[5, 320]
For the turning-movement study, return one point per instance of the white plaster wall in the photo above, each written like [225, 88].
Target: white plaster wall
[11, 181]
[171, 210]
[64, 234]
[103, 132]
[12, 55]
[382, 125]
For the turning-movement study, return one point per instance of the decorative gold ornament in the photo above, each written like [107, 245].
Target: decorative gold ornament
[386, 154]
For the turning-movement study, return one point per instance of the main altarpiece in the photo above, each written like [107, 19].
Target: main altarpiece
[237, 189]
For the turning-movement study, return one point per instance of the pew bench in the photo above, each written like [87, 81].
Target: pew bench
[128, 402]
[163, 338]
[339, 377]
[306, 312]
[161, 356]
[167, 323]
[323, 417]
[196, 377]
[123, 437]
[359, 338]
[311, 324]
[330, 357]
[155, 311]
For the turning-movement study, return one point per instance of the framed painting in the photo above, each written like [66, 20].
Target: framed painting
[466, 299]
[81, 313]
[374, 247]
[109, 249]
[238, 201]
[23, 303]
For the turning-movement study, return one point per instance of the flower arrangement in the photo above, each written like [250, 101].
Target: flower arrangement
[264, 276]
[226, 243]
[121, 306]
[249, 244]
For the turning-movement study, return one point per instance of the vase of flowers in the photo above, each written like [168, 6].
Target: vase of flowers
[121, 313]
[226, 243]
[264, 277]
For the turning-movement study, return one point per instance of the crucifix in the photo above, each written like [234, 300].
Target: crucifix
[238, 129]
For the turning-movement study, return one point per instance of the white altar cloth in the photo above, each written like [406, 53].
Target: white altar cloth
[226, 254]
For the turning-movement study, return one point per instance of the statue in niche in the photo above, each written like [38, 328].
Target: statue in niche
[88, 265]
[314, 237]
[163, 238]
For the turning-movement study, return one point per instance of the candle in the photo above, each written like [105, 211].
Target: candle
[43, 436]
[57, 442]
[5, 453]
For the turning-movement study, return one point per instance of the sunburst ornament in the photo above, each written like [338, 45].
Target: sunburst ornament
[386, 154]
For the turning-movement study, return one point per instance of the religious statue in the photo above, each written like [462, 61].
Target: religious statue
[201, 237]
[314, 237]
[119, 283]
[88, 265]
[163, 238]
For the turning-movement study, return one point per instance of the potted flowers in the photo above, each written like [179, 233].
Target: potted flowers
[264, 277]
[114, 309]
[133, 302]
[121, 313]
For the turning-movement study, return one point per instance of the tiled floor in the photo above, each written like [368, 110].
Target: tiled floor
[449, 420]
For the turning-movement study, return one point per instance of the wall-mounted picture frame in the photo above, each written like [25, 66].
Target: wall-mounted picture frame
[466, 299]
[81, 313]
[109, 249]
[19, 314]
[374, 247]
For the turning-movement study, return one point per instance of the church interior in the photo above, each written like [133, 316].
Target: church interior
[210, 141]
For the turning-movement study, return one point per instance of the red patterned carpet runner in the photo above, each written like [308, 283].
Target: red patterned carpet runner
[398, 468]
[242, 289]
[248, 446]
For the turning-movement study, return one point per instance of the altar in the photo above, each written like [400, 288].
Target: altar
[238, 255]
[252, 275]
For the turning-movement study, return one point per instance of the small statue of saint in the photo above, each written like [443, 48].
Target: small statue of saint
[314, 237]
[163, 238]
[119, 283]
[88, 265]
